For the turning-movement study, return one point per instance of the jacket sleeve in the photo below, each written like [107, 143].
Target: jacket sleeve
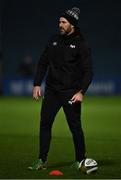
[41, 68]
[86, 67]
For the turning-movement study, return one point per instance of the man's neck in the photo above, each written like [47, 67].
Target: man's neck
[72, 31]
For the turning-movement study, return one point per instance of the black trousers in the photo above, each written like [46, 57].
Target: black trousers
[52, 102]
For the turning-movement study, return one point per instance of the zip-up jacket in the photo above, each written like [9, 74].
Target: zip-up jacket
[67, 61]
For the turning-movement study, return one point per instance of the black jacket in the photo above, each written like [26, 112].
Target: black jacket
[68, 61]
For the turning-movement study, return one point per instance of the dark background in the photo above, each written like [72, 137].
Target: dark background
[26, 26]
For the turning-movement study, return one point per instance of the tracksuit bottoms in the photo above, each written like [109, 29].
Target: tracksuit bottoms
[52, 102]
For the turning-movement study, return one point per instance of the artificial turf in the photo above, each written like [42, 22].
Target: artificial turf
[19, 129]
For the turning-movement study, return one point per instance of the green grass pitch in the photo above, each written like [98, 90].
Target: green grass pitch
[19, 129]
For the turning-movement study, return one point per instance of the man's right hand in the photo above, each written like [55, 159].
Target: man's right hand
[36, 92]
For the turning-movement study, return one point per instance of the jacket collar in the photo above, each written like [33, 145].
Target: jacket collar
[76, 33]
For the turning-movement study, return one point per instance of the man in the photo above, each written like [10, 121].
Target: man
[67, 62]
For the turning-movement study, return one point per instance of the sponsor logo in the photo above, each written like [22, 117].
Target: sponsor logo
[72, 46]
[54, 43]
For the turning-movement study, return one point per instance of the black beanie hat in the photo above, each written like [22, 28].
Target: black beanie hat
[72, 15]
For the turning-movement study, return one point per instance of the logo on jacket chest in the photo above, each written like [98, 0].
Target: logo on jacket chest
[55, 43]
[72, 46]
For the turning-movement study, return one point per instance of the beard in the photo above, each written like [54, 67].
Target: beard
[65, 31]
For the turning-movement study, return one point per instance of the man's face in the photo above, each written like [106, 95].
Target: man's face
[64, 26]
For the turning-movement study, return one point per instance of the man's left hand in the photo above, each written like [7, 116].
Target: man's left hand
[77, 97]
